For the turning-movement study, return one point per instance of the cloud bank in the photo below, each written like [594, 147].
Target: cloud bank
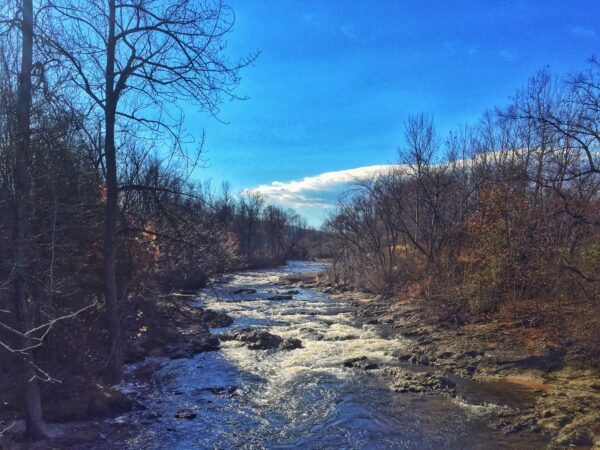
[315, 196]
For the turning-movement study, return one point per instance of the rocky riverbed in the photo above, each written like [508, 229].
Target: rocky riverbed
[81, 412]
[275, 359]
[543, 389]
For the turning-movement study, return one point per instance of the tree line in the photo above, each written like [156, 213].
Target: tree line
[97, 200]
[502, 213]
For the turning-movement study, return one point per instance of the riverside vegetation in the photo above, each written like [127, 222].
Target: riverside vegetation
[484, 247]
[99, 219]
[493, 233]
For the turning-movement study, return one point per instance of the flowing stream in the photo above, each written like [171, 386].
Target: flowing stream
[303, 398]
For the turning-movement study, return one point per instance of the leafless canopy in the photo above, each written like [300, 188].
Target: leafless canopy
[164, 52]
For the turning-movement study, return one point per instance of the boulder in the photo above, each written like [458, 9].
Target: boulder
[293, 279]
[158, 338]
[446, 383]
[215, 319]
[344, 337]
[189, 415]
[361, 362]
[178, 350]
[223, 390]
[290, 344]
[88, 401]
[255, 339]
[281, 297]
[259, 339]
[205, 343]
[106, 401]
[244, 291]
[579, 438]
[425, 382]
[180, 353]
[553, 360]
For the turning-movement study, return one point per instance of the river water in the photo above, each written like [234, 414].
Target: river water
[303, 398]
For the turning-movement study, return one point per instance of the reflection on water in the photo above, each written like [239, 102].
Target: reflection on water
[301, 398]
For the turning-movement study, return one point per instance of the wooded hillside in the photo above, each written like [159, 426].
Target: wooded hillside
[498, 218]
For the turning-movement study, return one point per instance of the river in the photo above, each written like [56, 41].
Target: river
[303, 398]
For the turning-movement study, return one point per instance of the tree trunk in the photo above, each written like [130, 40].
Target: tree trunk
[115, 366]
[34, 421]
[35, 426]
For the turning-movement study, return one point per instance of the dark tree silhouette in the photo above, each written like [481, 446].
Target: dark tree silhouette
[133, 61]
[23, 252]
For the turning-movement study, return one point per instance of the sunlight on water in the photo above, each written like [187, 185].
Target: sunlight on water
[329, 332]
[302, 398]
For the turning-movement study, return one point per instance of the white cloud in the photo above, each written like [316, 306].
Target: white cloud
[318, 191]
[315, 197]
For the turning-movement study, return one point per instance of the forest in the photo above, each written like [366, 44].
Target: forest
[98, 207]
[499, 218]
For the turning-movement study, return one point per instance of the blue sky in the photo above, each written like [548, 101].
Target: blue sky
[335, 81]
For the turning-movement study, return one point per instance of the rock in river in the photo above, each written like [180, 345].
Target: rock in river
[244, 291]
[281, 297]
[189, 415]
[406, 381]
[259, 339]
[290, 344]
[205, 343]
[361, 362]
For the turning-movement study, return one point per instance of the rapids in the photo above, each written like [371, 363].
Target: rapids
[303, 398]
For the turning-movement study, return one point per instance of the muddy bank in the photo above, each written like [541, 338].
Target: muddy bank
[541, 388]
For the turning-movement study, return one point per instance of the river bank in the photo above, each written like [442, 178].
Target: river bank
[548, 390]
[81, 412]
[274, 358]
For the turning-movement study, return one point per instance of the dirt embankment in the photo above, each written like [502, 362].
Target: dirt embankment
[542, 388]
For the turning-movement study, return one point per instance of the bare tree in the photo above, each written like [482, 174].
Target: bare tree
[424, 188]
[23, 251]
[249, 211]
[133, 61]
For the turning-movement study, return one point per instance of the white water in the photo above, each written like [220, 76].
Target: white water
[303, 398]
